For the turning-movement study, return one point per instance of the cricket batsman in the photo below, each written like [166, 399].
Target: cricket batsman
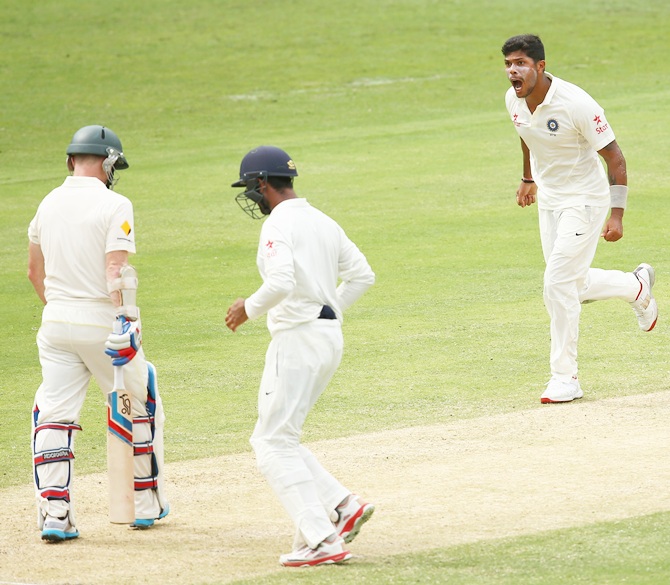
[80, 241]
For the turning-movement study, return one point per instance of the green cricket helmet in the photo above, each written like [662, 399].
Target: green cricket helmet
[100, 141]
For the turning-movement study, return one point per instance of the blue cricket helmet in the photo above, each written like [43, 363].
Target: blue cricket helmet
[265, 161]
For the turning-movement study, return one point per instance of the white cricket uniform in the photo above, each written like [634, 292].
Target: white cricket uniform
[76, 225]
[301, 256]
[564, 135]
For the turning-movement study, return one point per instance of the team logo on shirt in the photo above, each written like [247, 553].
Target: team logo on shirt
[552, 125]
[600, 127]
[126, 228]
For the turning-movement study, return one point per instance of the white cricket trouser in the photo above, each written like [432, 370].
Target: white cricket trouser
[569, 240]
[299, 363]
[70, 353]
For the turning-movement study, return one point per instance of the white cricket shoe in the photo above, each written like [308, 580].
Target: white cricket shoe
[644, 305]
[329, 552]
[351, 514]
[558, 391]
[58, 529]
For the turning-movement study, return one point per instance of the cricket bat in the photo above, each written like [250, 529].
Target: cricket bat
[120, 453]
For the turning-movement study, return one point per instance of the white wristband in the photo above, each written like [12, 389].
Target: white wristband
[618, 196]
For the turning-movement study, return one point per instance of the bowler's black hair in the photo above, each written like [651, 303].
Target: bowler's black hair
[531, 45]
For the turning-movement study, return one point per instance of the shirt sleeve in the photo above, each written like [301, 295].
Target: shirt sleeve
[33, 235]
[275, 259]
[355, 274]
[589, 118]
[121, 230]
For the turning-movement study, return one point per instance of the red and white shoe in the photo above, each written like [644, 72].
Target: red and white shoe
[352, 513]
[329, 552]
[645, 307]
[558, 391]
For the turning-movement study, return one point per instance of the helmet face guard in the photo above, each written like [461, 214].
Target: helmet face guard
[252, 201]
[108, 166]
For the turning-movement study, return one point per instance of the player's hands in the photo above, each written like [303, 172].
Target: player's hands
[525, 194]
[236, 315]
[123, 347]
[613, 229]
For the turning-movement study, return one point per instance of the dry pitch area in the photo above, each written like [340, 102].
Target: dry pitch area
[554, 467]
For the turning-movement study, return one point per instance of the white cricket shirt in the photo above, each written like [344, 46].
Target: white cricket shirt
[75, 226]
[302, 255]
[563, 135]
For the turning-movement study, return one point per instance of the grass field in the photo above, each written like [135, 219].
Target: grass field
[394, 113]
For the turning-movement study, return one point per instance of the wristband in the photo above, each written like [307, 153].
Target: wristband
[618, 196]
[524, 180]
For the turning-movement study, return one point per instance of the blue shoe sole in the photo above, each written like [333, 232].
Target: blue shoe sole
[143, 524]
[58, 535]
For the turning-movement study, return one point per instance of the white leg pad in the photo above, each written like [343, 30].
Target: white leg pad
[53, 466]
[150, 498]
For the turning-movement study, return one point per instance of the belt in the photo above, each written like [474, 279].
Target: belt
[327, 313]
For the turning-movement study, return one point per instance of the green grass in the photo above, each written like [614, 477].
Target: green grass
[393, 111]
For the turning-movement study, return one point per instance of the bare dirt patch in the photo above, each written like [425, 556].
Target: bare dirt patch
[497, 476]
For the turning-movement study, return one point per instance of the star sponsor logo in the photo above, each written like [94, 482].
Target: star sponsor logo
[270, 250]
[600, 125]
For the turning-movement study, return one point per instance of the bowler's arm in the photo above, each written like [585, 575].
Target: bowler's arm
[525, 194]
[617, 175]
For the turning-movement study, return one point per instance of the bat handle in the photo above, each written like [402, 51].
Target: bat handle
[118, 377]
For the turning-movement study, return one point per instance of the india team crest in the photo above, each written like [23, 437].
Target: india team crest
[552, 125]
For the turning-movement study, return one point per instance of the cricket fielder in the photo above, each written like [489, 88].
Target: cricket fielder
[564, 134]
[80, 241]
[302, 255]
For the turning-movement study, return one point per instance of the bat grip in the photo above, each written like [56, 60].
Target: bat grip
[118, 370]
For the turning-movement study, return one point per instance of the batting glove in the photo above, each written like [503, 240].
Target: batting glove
[123, 347]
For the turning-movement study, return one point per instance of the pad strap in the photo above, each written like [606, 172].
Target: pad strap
[53, 456]
[146, 483]
[54, 493]
[144, 448]
[58, 426]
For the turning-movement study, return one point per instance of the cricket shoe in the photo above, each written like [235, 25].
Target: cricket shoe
[58, 529]
[329, 552]
[351, 513]
[644, 305]
[558, 391]
[145, 523]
